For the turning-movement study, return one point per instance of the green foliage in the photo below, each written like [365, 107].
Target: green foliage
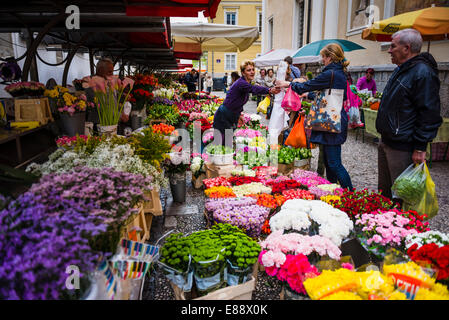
[162, 111]
[150, 147]
[209, 249]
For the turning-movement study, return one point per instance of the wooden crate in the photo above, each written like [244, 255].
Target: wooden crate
[153, 205]
[137, 229]
[33, 110]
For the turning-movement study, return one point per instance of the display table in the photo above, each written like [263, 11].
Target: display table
[29, 143]
[442, 135]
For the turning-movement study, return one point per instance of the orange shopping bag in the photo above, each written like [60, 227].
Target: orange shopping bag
[297, 137]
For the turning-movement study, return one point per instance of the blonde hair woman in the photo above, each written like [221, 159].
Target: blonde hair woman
[229, 113]
[335, 65]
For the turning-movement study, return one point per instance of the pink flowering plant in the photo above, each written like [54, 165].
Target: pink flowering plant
[382, 229]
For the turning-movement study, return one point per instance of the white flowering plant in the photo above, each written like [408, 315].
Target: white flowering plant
[197, 165]
[439, 238]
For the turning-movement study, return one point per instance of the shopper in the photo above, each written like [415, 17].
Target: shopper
[260, 81]
[270, 78]
[234, 77]
[409, 113]
[228, 114]
[225, 82]
[295, 72]
[190, 80]
[367, 82]
[209, 83]
[335, 63]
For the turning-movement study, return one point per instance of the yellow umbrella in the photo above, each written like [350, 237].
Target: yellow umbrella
[432, 23]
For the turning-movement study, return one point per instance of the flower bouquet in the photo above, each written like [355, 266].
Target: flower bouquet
[159, 111]
[382, 229]
[219, 192]
[250, 189]
[176, 165]
[26, 88]
[238, 181]
[201, 124]
[197, 166]
[110, 97]
[216, 182]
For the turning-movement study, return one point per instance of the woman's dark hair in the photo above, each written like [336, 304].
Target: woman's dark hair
[370, 70]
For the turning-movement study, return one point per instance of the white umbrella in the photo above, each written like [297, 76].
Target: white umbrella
[273, 57]
[215, 37]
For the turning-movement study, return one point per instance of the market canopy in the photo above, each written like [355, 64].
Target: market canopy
[272, 57]
[432, 23]
[215, 37]
[311, 52]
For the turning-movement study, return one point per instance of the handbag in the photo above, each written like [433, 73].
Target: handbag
[291, 101]
[325, 113]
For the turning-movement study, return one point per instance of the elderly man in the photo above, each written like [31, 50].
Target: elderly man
[409, 112]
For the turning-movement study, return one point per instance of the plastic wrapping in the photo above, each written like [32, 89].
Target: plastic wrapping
[210, 275]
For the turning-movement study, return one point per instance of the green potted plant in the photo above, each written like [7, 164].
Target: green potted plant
[219, 154]
[176, 165]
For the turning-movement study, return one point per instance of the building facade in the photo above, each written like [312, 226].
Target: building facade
[243, 13]
[346, 19]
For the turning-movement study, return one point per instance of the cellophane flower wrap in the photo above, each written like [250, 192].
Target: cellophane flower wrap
[248, 218]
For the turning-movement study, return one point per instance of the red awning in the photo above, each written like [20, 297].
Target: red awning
[191, 51]
[159, 39]
[174, 8]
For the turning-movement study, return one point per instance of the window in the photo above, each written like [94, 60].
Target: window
[259, 20]
[402, 6]
[299, 24]
[361, 13]
[230, 61]
[270, 33]
[231, 18]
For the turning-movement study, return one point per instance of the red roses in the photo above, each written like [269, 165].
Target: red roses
[433, 254]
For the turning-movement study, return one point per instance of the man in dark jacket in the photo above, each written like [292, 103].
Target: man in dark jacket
[409, 112]
[190, 80]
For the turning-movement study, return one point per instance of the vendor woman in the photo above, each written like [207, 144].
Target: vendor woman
[229, 114]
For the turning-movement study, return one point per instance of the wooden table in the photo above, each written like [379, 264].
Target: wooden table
[16, 134]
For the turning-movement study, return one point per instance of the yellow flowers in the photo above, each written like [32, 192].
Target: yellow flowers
[330, 198]
[219, 192]
[437, 292]
[55, 92]
[343, 295]
[409, 270]
[330, 282]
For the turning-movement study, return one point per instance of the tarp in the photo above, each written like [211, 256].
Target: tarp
[215, 37]
[273, 57]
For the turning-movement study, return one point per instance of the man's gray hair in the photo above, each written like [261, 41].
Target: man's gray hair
[410, 37]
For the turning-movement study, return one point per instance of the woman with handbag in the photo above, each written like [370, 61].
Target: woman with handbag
[228, 115]
[330, 128]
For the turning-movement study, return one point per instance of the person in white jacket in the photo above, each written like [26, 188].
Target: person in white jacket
[209, 83]
[279, 117]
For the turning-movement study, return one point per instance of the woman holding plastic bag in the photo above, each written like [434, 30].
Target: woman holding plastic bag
[332, 78]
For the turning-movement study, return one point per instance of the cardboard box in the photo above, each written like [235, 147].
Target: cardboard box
[214, 171]
[285, 169]
[33, 110]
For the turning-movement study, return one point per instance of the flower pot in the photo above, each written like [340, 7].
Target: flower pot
[107, 130]
[178, 187]
[136, 121]
[74, 125]
[223, 159]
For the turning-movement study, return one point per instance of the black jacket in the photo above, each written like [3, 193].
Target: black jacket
[409, 112]
[190, 81]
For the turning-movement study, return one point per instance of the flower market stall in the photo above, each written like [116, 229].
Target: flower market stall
[266, 213]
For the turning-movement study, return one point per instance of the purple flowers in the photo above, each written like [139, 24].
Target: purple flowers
[66, 219]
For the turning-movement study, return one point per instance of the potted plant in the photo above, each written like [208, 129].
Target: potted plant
[176, 165]
[70, 108]
[198, 169]
[219, 154]
[110, 97]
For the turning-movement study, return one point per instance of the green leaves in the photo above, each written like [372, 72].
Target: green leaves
[150, 147]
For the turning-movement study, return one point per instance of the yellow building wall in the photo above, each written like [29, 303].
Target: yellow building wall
[246, 16]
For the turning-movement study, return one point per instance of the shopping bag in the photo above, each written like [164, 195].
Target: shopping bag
[410, 185]
[297, 137]
[263, 105]
[291, 101]
[325, 113]
[429, 202]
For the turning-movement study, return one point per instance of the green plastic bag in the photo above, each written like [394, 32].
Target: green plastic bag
[429, 201]
[410, 186]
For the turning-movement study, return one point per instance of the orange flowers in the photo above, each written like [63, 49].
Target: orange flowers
[269, 201]
[163, 129]
[219, 192]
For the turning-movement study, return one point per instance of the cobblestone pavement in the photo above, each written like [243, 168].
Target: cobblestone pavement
[359, 156]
